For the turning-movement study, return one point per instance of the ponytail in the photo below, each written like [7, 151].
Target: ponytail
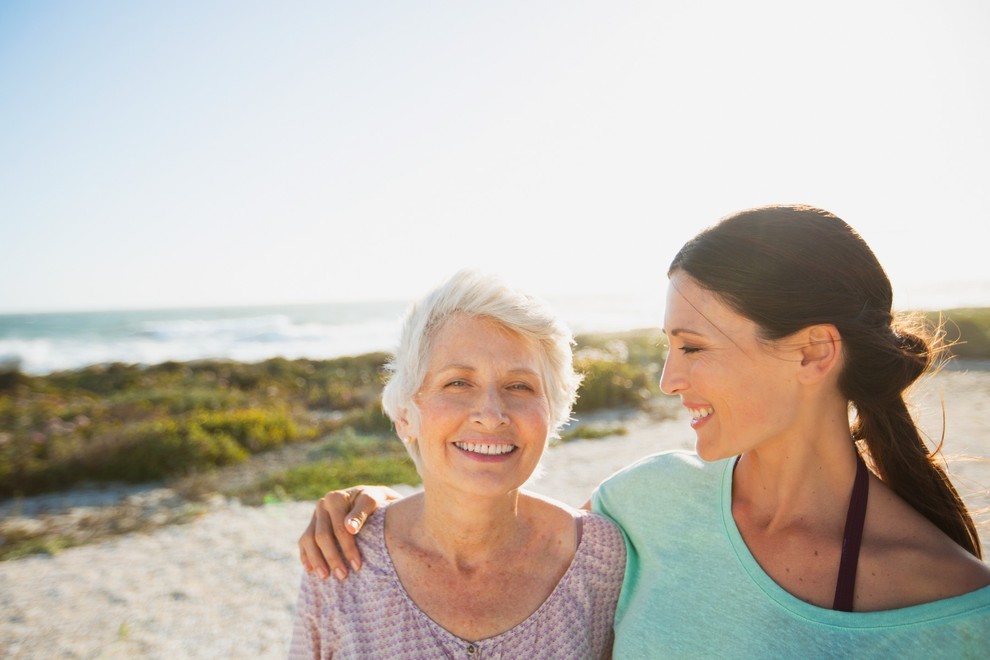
[874, 380]
[901, 459]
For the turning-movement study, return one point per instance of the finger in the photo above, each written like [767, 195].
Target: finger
[327, 535]
[346, 521]
[366, 502]
[367, 499]
[309, 552]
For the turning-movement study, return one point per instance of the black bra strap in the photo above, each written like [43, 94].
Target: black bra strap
[852, 539]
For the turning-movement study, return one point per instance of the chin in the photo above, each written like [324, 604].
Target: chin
[710, 454]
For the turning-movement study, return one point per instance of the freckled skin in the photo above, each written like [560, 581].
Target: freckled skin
[482, 385]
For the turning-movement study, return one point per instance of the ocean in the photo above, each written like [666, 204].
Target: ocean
[44, 343]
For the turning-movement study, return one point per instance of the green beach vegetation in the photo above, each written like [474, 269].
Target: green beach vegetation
[271, 431]
[967, 331]
[134, 424]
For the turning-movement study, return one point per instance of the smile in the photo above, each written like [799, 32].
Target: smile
[700, 413]
[487, 449]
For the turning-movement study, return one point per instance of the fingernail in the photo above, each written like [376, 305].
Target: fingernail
[322, 572]
[339, 573]
[354, 524]
[355, 565]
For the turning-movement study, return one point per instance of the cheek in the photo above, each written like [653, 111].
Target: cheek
[534, 416]
[437, 414]
[766, 402]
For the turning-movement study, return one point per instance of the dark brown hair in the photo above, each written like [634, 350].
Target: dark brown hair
[790, 267]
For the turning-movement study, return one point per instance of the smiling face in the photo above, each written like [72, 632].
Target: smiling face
[483, 416]
[741, 391]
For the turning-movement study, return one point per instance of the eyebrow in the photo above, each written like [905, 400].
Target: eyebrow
[681, 331]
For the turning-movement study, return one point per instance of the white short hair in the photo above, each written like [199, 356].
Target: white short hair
[477, 294]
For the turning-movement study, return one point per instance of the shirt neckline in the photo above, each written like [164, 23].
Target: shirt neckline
[924, 612]
[494, 641]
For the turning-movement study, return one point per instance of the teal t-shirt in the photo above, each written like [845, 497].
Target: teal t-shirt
[693, 589]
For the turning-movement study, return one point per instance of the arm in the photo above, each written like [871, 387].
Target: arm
[338, 516]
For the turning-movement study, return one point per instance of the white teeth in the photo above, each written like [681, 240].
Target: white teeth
[698, 413]
[491, 450]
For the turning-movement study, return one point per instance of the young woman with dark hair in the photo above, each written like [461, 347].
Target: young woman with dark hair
[790, 267]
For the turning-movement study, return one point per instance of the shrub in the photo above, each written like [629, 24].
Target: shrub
[176, 401]
[11, 377]
[99, 379]
[254, 429]
[640, 348]
[967, 330]
[370, 419]
[313, 480]
[588, 432]
[347, 444]
[157, 450]
[609, 383]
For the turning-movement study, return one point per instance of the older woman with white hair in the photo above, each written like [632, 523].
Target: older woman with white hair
[474, 565]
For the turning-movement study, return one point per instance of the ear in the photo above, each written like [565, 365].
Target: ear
[821, 352]
[403, 427]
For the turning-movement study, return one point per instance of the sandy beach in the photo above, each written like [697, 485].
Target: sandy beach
[224, 585]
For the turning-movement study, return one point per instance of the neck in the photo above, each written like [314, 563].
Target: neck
[803, 478]
[467, 529]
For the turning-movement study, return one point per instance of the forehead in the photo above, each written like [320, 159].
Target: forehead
[692, 308]
[470, 339]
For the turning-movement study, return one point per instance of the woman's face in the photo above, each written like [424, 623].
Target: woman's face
[741, 391]
[483, 409]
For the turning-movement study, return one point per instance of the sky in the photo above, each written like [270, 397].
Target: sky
[193, 153]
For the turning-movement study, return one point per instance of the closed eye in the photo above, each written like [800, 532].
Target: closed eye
[690, 349]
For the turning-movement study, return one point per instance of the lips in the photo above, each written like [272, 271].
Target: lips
[486, 449]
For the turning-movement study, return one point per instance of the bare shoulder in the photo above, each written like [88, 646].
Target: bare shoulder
[906, 560]
[546, 508]
[555, 519]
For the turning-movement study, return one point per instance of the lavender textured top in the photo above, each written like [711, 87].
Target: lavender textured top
[370, 615]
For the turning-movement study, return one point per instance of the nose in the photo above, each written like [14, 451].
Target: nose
[672, 378]
[490, 410]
